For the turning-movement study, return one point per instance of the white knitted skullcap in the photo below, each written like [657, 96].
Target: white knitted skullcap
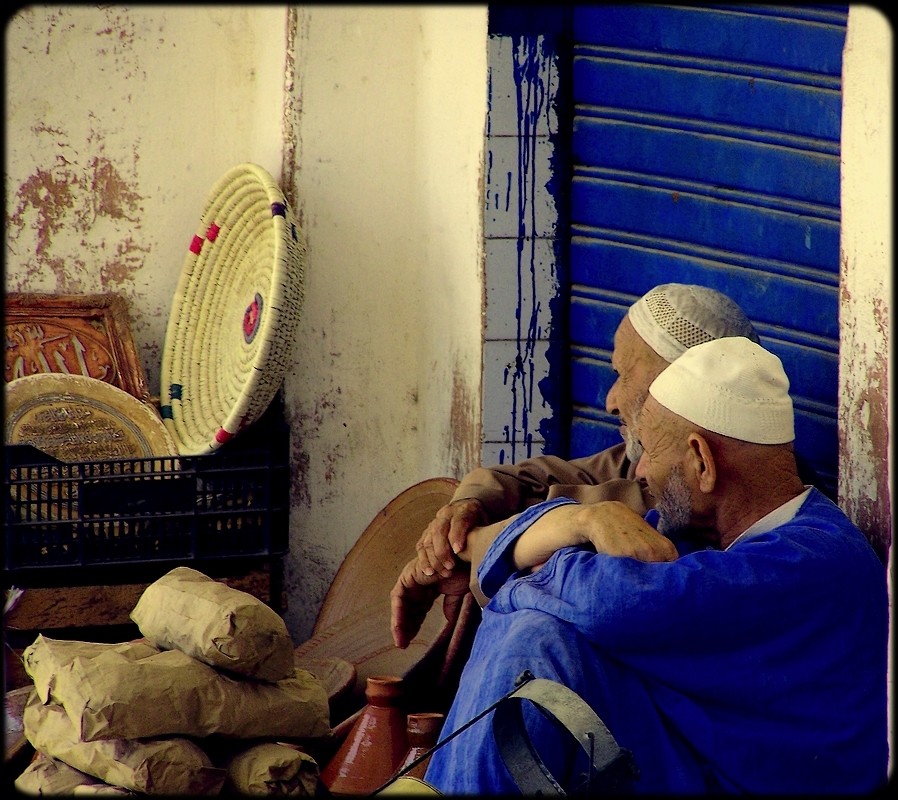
[730, 386]
[676, 316]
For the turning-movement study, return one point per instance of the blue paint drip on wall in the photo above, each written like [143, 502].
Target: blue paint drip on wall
[529, 69]
[521, 201]
[533, 63]
[555, 426]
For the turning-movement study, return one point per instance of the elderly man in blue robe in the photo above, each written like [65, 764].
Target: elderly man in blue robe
[657, 328]
[733, 640]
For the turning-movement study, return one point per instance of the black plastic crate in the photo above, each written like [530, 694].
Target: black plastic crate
[112, 516]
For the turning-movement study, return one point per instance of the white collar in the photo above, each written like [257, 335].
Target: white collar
[779, 516]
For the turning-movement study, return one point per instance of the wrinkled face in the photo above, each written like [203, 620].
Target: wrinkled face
[636, 366]
[663, 443]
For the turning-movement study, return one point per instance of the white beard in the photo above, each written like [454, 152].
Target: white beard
[675, 504]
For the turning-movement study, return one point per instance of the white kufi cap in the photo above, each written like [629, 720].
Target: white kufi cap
[676, 316]
[731, 386]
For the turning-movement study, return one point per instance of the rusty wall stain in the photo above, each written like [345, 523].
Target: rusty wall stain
[290, 142]
[299, 465]
[307, 578]
[868, 505]
[305, 426]
[464, 428]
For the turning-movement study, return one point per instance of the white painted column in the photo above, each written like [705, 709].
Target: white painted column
[865, 451]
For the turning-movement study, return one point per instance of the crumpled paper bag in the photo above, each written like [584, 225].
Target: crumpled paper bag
[46, 775]
[273, 768]
[44, 657]
[221, 626]
[110, 695]
[173, 766]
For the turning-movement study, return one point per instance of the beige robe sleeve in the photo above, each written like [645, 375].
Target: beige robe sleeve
[508, 489]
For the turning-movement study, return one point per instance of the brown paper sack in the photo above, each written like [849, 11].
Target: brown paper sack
[174, 766]
[46, 775]
[215, 623]
[109, 696]
[44, 657]
[273, 768]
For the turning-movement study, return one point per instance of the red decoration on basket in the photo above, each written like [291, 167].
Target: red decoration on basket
[251, 318]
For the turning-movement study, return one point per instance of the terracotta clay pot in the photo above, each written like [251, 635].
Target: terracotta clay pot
[373, 749]
[422, 731]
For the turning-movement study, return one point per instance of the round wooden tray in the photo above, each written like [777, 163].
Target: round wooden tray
[354, 620]
[14, 741]
[371, 567]
[336, 674]
[76, 418]
[363, 639]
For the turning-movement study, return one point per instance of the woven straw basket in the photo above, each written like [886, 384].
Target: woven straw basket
[235, 311]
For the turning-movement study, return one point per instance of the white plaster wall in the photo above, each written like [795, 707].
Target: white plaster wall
[451, 125]
[388, 169]
[119, 120]
[866, 277]
[865, 452]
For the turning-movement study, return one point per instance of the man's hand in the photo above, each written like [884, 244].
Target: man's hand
[614, 529]
[414, 594]
[446, 535]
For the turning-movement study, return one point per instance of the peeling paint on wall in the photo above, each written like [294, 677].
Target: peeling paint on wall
[65, 198]
[110, 193]
[116, 126]
[46, 196]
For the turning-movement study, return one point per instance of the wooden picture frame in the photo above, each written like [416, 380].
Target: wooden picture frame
[83, 334]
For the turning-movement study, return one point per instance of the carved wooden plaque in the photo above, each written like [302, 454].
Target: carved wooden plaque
[84, 334]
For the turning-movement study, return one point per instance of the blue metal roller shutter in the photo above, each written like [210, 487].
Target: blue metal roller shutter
[706, 150]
